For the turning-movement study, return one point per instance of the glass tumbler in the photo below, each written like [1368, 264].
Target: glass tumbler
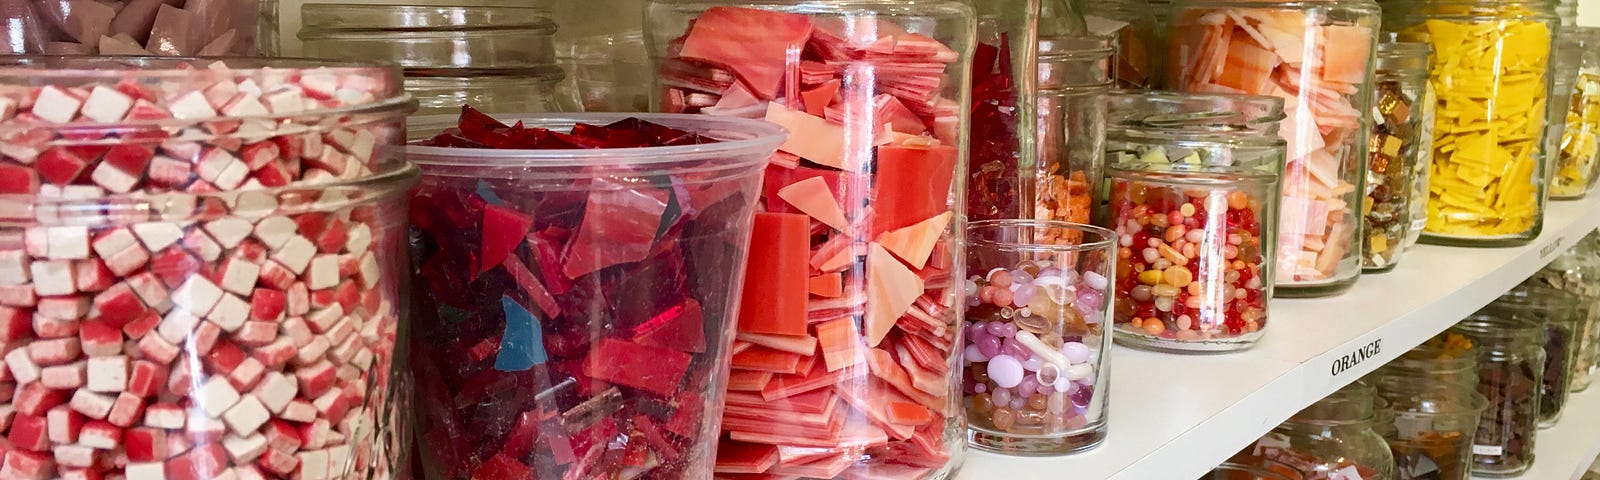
[1193, 179]
[1317, 56]
[1035, 344]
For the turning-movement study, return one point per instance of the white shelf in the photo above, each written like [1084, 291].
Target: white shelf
[1177, 416]
[1566, 450]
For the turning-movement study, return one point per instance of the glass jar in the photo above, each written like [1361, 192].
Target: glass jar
[1074, 77]
[1579, 150]
[1261, 48]
[1132, 23]
[1434, 364]
[164, 28]
[886, 194]
[1185, 281]
[602, 71]
[1557, 311]
[1564, 183]
[1426, 108]
[1402, 81]
[497, 59]
[1486, 184]
[511, 345]
[1332, 439]
[1035, 345]
[223, 283]
[1510, 370]
[1243, 471]
[1431, 430]
[1001, 143]
[1576, 274]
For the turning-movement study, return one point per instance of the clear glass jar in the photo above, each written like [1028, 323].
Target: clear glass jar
[497, 59]
[1558, 312]
[1402, 81]
[1217, 47]
[1439, 363]
[1566, 182]
[131, 27]
[202, 289]
[886, 189]
[1332, 439]
[1074, 77]
[1510, 369]
[1576, 273]
[1001, 144]
[1431, 408]
[1487, 181]
[1132, 23]
[506, 290]
[1186, 281]
[602, 71]
[1578, 164]
[1035, 345]
[1243, 471]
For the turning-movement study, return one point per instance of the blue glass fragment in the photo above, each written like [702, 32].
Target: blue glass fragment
[488, 195]
[522, 344]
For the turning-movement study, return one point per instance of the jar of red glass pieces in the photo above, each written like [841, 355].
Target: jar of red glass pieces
[576, 282]
[1193, 183]
[848, 330]
[129, 27]
[1002, 139]
[1035, 340]
[1317, 55]
[1068, 175]
[200, 267]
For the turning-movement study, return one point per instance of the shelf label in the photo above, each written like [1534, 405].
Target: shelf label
[1349, 360]
[1553, 248]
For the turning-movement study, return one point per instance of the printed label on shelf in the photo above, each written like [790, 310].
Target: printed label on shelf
[1491, 450]
[1553, 248]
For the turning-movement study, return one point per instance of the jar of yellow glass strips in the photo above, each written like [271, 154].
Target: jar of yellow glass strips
[1490, 71]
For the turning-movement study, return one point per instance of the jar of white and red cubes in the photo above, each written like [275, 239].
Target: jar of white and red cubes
[848, 335]
[1035, 343]
[576, 284]
[1317, 55]
[1193, 202]
[129, 27]
[1489, 70]
[200, 267]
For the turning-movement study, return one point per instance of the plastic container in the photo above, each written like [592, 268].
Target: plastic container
[1002, 151]
[1035, 345]
[1074, 78]
[172, 274]
[1132, 24]
[1186, 282]
[1402, 82]
[498, 59]
[129, 27]
[886, 191]
[1558, 312]
[1333, 438]
[1576, 274]
[1214, 48]
[1578, 154]
[1487, 186]
[1510, 370]
[588, 292]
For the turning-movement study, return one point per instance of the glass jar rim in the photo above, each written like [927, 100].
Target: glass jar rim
[1250, 120]
[1352, 405]
[1191, 174]
[753, 135]
[425, 18]
[1484, 325]
[1259, 472]
[1102, 237]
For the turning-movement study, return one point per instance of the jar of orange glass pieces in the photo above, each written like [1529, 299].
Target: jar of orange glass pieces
[1490, 63]
[1317, 56]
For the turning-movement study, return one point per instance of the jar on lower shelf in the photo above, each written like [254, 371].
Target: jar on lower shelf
[1510, 371]
[1431, 408]
[1193, 191]
[1036, 341]
[1558, 312]
[1239, 470]
[497, 59]
[1576, 273]
[1333, 439]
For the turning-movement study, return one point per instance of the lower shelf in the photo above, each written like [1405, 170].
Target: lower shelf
[1566, 450]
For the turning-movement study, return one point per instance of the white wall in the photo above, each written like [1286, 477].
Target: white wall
[1589, 13]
